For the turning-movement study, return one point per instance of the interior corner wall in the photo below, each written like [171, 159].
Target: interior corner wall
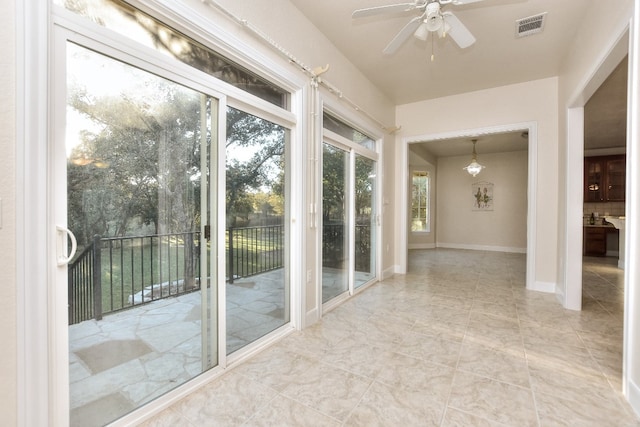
[503, 228]
[8, 286]
[534, 101]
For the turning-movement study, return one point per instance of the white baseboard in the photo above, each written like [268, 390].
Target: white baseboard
[389, 272]
[482, 247]
[548, 287]
[422, 246]
[633, 396]
[311, 317]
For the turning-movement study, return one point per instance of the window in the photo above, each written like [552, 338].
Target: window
[420, 201]
[123, 18]
[343, 129]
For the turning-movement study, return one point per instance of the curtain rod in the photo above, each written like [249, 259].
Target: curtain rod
[312, 73]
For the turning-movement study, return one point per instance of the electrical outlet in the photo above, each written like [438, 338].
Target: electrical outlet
[309, 276]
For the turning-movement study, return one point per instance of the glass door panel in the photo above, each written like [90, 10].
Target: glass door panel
[257, 288]
[335, 224]
[365, 218]
[142, 311]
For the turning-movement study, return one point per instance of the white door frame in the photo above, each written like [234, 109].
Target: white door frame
[403, 166]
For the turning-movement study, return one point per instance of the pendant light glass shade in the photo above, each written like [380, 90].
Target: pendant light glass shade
[474, 167]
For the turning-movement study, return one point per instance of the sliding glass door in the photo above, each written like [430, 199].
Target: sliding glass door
[257, 286]
[335, 222]
[365, 220]
[349, 209]
[142, 309]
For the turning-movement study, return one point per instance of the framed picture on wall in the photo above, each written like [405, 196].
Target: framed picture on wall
[482, 193]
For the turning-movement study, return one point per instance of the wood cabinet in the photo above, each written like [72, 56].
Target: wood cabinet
[595, 240]
[604, 178]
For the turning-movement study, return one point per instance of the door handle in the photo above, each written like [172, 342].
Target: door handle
[63, 233]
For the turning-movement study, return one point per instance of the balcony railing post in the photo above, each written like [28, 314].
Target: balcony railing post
[230, 254]
[97, 278]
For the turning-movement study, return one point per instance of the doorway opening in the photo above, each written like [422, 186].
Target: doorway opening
[523, 133]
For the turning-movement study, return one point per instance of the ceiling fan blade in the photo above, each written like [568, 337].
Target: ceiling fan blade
[458, 32]
[461, 2]
[379, 10]
[403, 35]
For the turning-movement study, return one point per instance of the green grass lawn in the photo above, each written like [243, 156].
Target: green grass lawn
[130, 268]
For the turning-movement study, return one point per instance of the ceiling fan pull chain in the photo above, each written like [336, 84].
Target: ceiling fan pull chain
[433, 56]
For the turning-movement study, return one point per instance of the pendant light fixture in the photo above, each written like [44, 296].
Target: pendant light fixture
[474, 167]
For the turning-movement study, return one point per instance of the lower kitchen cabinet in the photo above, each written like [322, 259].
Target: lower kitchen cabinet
[595, 240]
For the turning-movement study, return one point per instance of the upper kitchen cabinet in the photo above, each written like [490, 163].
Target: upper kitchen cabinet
[604, 178]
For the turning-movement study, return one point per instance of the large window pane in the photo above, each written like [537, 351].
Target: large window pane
[335, 231]
[420, 201]
[142, 28]
[343, 129]
[135, 148]
[256, 209]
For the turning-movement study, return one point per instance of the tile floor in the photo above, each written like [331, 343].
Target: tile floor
[458, 341]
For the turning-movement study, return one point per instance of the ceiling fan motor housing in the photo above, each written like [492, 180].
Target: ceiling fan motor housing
[434, 18]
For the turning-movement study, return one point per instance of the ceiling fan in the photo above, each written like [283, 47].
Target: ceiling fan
[432, 19]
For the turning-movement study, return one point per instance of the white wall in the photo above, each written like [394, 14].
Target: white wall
[8, 335]
[502, 229]
[535, 101]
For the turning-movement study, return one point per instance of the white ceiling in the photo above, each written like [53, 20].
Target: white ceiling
[497, 58]
[605, 114]
[486, 144]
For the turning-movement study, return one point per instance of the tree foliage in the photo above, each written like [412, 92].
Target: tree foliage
[255, 166]
[138, 163]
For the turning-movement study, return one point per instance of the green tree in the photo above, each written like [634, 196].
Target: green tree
[255, 164]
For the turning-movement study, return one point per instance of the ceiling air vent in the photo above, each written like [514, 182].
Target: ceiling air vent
[531, 25]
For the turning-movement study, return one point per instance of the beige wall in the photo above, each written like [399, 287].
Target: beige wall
[8, 288]
[535, 101]
[505, 227]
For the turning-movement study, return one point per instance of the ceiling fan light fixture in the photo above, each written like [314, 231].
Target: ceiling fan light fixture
[434, 22]
[434, 19]
[422, 32]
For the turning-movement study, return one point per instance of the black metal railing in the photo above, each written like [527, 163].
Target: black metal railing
[84, 285]
[119, 273]
[254, 250]
[334, 246]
